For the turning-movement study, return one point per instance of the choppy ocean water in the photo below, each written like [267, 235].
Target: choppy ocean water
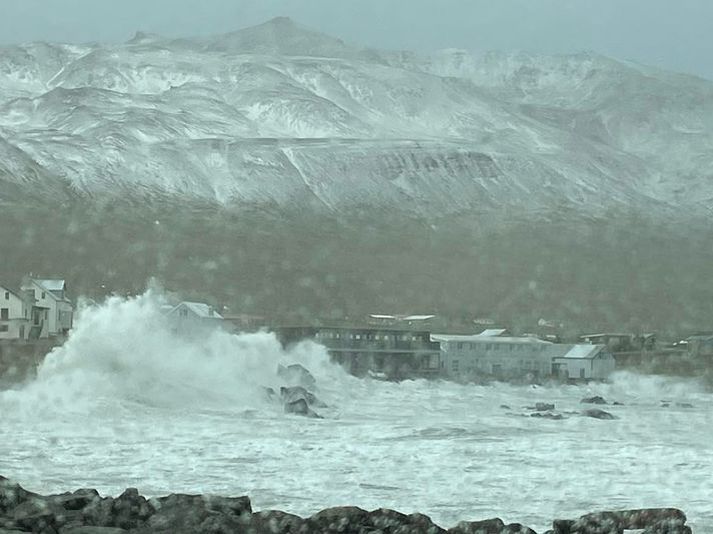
[127, 403]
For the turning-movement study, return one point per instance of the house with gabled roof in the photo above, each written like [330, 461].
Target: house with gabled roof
[188, 316]
[53, 312]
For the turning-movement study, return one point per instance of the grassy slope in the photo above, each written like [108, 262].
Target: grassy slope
[624, 274]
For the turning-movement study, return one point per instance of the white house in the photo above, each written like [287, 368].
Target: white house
[15, 314]
[52, 312]
[590, 362]
[499, 356]
[189, 316]
[518, 357]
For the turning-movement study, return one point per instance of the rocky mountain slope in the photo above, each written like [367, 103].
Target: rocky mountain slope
[278, 114]
[281, 170]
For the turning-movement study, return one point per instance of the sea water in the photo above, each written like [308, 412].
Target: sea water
[127, 402]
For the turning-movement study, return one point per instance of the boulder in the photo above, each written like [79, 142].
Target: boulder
[297, 374]
[562, 526]
[544, 407]
[665, 528]
[278, 522]
[12, 495]
[290, 394]
[341, 519]
[517, 528]
[598, 523]
[92, 530]
[178, 513]
[36, 515]
[649, 517]
[487, 526]
[297, 400]
[598, 414]
[75, 500]
[593, 400]
[393, 522]
[652, 521]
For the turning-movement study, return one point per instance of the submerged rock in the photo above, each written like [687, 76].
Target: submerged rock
[598, 414]
[594, 400]
[548, 415]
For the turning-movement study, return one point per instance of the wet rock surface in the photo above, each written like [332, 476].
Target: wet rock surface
[598, 414]
[86, 512]
[594, 400]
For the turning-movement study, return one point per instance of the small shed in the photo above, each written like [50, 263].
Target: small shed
[585, 362]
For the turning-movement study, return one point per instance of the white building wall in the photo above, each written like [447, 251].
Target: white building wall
[603, 366]
[17, 324]
[517, 357]
[45, 299]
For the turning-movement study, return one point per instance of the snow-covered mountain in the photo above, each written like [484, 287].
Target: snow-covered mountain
[282, 116]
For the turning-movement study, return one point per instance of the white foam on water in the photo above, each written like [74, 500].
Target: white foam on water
[128, 402]
[125, 350]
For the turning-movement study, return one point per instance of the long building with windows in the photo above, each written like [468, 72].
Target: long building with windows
[505, 357]
[388, 352]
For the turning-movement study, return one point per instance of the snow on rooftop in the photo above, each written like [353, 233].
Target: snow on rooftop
[490, 332]
[201, 309]
[582, 351]
[487, 339]
[52, 285]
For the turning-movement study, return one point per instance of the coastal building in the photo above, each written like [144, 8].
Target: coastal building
[475, 357]
[588, 362]
[190, 316]
[15, 313]
[52, 312]
[478, 356]
[615, 342]
[383, 351]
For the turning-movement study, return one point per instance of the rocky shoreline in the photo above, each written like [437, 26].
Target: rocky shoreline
[84, 511]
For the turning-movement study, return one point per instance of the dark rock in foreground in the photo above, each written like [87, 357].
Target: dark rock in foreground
[85, 512]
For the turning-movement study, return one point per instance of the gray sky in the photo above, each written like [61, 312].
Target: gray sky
[673, 34]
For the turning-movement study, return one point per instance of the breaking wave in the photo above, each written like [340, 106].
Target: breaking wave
[126, 350]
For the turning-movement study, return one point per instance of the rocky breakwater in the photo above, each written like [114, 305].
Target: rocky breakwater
[84, 511]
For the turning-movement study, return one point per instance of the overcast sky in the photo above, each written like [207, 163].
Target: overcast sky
[674, 34]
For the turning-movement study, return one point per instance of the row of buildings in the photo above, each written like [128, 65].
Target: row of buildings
[37, 309]
[397, 353]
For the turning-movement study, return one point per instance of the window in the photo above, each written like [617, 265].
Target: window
[7, 295]
[4, 314]
[454, 366]
[4, 328]
[488, 346]
[460, 346]
[43, 294]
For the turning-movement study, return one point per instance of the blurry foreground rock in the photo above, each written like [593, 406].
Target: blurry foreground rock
[86, 512]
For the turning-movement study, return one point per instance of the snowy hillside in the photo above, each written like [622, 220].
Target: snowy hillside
[280, 115]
